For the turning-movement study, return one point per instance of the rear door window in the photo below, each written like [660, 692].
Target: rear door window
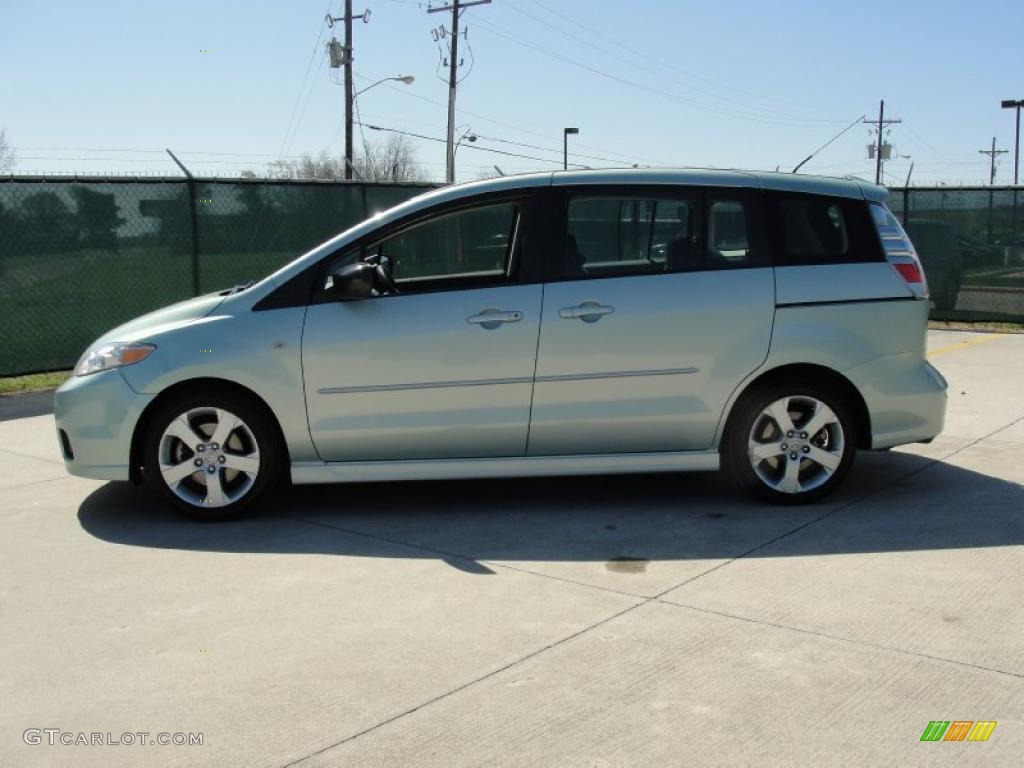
[608, 235]
[614, 235]
[814, 229]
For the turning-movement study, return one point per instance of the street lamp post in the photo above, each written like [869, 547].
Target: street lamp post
[1015, 104]
[565, 145]
[467, 135]
[349, 158]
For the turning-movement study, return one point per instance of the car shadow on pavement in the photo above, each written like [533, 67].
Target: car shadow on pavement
[891, 502]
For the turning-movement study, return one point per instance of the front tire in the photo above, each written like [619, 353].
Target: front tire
[211, 455]
[791, 442]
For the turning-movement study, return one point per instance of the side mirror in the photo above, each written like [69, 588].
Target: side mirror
[354, 281]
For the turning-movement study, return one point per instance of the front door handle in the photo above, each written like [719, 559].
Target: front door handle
[588, 312]
[492, 318]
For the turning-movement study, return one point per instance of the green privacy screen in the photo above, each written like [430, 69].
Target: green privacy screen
[80, 257]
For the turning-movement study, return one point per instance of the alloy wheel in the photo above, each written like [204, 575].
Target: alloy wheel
[208, 457]
[796, 444]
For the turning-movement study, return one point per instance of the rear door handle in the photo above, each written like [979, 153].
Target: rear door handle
[588, 312]
[492, 317]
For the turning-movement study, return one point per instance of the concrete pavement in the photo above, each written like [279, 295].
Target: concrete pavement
[629, 621]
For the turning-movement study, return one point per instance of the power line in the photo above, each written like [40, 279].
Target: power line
[658, 72]
[468, 146]
[666, 64]
[519, 128]
[726, 111]
[302, 87]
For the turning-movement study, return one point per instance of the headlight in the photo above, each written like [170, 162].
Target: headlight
[112, 355]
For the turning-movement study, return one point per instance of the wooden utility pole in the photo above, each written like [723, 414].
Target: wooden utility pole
[456, 7]
[880, 124]
[349, 156]
[992, 155]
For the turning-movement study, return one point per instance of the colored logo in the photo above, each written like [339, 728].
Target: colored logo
[958, 730]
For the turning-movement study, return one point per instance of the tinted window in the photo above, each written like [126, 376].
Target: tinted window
[728, 240]
[609, 235]
[813, 229]
[467, 243]
[621, 236]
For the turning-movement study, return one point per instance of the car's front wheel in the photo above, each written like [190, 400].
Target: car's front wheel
[211, 455]
[791, 442]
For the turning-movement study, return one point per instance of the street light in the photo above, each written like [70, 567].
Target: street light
[467, 135]
[1015, 104]
[565, 145]
[349, 104]
[404, 79]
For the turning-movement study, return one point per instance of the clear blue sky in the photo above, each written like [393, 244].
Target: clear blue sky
[728, 84]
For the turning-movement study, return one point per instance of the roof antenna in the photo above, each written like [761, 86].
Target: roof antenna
[806, 159]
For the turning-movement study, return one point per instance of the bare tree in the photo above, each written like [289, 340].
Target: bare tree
[7, 157]
[393, 160]
[321, 166]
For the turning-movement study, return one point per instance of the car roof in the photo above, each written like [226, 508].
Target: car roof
[786, 182]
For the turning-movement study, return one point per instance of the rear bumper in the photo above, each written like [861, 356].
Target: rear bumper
[97, 415]
[905, 396]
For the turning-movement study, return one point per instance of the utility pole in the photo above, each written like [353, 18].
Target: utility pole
[341, 56]
[880, 124]
[1015, 104]
[349, 154]
[992, 155]
[456, 7]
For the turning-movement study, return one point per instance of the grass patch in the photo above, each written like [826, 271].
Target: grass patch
[33, 382]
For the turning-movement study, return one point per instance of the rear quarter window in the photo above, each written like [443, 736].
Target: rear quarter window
[816, 229]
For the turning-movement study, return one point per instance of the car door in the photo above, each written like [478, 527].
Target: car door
[662, 303]
[444, 367]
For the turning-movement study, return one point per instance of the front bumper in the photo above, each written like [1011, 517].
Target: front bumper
[96, 416]
[905, 396]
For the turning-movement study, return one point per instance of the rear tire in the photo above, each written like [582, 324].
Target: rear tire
[791, 441]
[211, 454]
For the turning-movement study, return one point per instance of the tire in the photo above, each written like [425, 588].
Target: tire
[945, 298]
[225, 479]
[813, 463]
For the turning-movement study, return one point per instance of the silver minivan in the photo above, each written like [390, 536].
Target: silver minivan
[568, 323]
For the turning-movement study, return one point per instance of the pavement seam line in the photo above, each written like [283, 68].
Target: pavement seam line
[466, 685]
[460, 556]
[839, 638]
[30, 456]
[930, 463]
[35, 482]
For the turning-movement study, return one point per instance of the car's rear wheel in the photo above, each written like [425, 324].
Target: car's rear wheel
[211, 455]
[791, 442]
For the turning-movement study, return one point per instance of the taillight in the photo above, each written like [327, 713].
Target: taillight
[899, 251]
[909, 271]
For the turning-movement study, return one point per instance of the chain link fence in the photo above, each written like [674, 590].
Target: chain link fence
[78, 257]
